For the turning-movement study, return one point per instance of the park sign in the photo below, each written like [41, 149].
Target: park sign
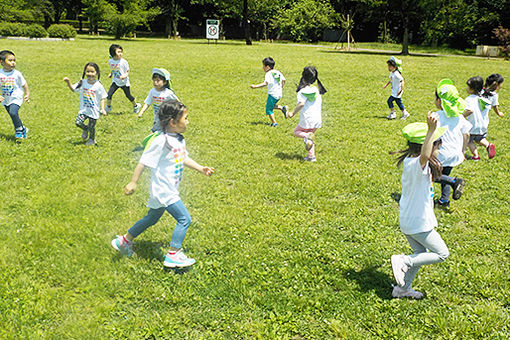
[212, 29]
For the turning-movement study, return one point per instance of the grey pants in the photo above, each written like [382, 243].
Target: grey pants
[438, 252]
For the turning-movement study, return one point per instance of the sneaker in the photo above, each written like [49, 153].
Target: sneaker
[399, 268]
[441, 204]
[91, 142]
[458, 187]
[24, 133]
[310, 159]
[177, 260]
[284, 110]
[491, 150]
[274, 125]
[309, 140]
[108, 108]
[123, 246]
[18, 134]
[399, 292]
[137, 108]
[475, 158]
[392, 115]
[405, 115]
[85, 134]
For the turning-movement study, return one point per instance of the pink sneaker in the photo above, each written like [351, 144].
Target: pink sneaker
[491, 149]
[399, 292]
[475, 158]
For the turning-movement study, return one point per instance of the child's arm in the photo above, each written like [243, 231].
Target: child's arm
[426, 148]
[208, 171]
[110, 75]
[496, 109]
[145, 107]
[402, 83]
[283, 83]
[385, 86]
[296, 110]
[131, 186]
[465, 141]
[27, 93]
[101, 106]
[68, 82]
[256, 86]
[125, 75]
[467, 113]
[1, 98]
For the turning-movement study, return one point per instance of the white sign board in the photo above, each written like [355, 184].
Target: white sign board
[212, 29]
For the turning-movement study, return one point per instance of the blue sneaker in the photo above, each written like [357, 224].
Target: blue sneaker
[123, 246]
[25, 131]
[177, 260]
[18, 134]
[284, 110]
[274, 125]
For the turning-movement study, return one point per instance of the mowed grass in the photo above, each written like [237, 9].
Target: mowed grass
[284, 249]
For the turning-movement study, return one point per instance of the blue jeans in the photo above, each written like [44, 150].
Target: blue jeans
[397, 100]
[177, 210]
[12, 110]
[447, 183]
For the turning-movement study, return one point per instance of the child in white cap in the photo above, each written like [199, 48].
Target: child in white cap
[397, 88]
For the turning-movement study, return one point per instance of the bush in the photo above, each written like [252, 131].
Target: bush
[35, 31]
[503, 35]
[15, 29]
[61, 31]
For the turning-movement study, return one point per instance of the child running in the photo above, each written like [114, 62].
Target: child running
[120, 77]
[157, 95]
[455, 139]
[92, 98]
[477, 113]
[416, 218]
[309, 103]
[165, 155]
[275, 81]
[397, 88]
[13, 84]
[493, 84]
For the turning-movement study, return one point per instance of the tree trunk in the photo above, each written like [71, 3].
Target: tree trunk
[168, 28]
[405, 40]
[246, 23]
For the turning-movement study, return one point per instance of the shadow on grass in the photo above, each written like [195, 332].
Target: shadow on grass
[9, 138]
[150, 250]
[371, 279]
[381, 52]
[396, 196]
[259, 123]
[137, 148]
[286, 156]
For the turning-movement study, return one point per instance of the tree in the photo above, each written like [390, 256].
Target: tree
[172, 11]
[97, 11]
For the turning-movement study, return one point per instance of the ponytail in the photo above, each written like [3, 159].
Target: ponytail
[308, 77]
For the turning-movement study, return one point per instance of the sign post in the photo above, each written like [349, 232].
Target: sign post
[212, 30]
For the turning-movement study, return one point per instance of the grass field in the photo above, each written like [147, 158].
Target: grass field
[284, 249]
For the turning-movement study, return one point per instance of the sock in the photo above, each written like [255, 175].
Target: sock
[125, 240]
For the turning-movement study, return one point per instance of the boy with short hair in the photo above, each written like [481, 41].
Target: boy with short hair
[274, 81]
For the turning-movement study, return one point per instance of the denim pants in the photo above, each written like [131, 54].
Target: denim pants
[397, 100]
[438, 252]
[12, 110]
[446, 183]
[177, 210]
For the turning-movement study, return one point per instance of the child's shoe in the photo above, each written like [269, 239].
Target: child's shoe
[137, 108]
[284, 110]
[405, 115]
[399, 268]
[91, 142]
[18, 134]
[309, 140]
[274, 125]
[123, 246]
[475, 158]
[458, 187]
[177, 260]
[491, 150]
[108, 108]
[24, 133]
[399, 292]
[85, 134]
[440, 204]
[310, 159]
[392, 115]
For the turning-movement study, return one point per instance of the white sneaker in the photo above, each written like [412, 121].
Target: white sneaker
[179, 259]
[399, 292]
[405, 115]
[392, 115]
[108, 108]
[399, 269]
[90, 142]
[137, 108]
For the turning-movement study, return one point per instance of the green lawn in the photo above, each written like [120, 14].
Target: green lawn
[284, 249]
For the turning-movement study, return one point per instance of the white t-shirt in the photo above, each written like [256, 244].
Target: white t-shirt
[165, 156]
[479, 119]
[494, 98]
[395, 79]
[274, 80]
[450, 153]
[310, 117]
[157, 98]
[119, 68]
[417, 200]
[90, 98]
[12, 87]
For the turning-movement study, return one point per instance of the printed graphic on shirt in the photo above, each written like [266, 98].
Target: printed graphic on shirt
[8, 86]
[431, 190]
[157, 101]
[179, 155]
[276, 77]
[88, 97]
[116, 70]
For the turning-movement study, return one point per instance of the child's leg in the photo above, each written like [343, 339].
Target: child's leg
[305, 134]
[270, 104]
[472, 148]
[111, 91]
[127, 92]
[446, 184]
[181, 215]
[438, 252]
[272, 118]
[92, 128]
[140, 226]
[12, 110]
[402, 108]
[80, 121]
[390, 103]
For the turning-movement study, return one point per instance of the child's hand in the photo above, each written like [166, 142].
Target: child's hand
[208, 171]
[432, 119]
[66, 79]
[103, 112]
[27, 98]
[140, 115]
[130, 188]
[124, 76]
[501, 114]
[253, 86]
[110, 75]
[1, 99]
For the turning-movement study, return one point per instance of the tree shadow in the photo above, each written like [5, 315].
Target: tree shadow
[380, 52]
[286, 156]
[396, 196]
[371, 279]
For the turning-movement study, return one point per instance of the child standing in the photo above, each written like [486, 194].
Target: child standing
[157, 95]
[120, 77]
[92, 98]
[397, 88]
[275, 81]
[477, 113]
[416, 217]
[455, 139]
[13, 84]
[166, 155]
[309, 102]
